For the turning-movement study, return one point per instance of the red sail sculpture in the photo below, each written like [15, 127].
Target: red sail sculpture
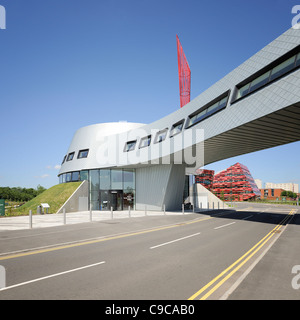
[184, 76]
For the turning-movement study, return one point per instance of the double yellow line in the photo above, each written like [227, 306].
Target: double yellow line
[232, 269]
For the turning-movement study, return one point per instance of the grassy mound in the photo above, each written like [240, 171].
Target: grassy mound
[56, 196]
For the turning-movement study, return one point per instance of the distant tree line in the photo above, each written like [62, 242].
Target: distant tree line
[289, 194]
[20, 194]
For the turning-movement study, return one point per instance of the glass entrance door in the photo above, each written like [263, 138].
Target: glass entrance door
[116, 199]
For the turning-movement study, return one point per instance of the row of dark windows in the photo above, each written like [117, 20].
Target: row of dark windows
[81, 154]
[159, 137]
[268, 75]
[285, 64]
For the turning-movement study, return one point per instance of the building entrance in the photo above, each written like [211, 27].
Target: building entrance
[116, 199]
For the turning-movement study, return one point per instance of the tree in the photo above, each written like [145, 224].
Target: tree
[284, 193]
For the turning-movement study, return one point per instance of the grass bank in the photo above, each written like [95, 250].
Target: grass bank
[55, 196]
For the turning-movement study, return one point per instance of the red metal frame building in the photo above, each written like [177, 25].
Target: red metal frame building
[205, 177]
[235, 184]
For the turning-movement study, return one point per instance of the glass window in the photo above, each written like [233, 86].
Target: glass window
[243, 91]
[64, 178]
[260, 81]
[70, 156]
[94, 180]
[68, 177]
[176, 128]
[75, 176]
[104, 179]
[298, 60]
[161, 135]
[60, 179]
[84, 175]
[129, 180]
[104, 200]
[129, 146]
[223, 102]
[83, 153]
[64, 159]
[145, 142]
[283, 68]
[116, 179]
[211, 108]
[128, 199]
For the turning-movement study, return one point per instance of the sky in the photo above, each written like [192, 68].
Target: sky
[72, 63]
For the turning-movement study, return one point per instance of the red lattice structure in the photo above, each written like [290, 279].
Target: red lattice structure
[184, 76]
[205, 177]
[235, 184]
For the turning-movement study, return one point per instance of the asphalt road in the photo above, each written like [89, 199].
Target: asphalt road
[218, 255]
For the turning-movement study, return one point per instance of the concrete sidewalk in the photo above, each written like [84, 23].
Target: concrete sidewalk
[51, 220]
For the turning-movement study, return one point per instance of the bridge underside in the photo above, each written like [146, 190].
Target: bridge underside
[275, 129]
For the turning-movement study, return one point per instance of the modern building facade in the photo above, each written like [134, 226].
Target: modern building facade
[256, 106]
[289, 186]
[235, 184]
[205, 177]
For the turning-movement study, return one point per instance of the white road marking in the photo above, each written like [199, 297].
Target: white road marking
[225, 225]
[247, 217]
[163, 244]
[51, 276]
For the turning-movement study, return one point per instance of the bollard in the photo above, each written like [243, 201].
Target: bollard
[30, 219]
[201, 205]
[183, 208]
[111, 213]
[91, 215]
[65, 216]
[164, 209]
[129, 213]
[207, 205]
[218, 205]
[145, 210]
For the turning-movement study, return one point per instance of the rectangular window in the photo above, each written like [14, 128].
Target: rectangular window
[243, 91]
[283, 68]
[223, 103]
[260, 81]
[212, 108]
[298, 60]
[64, 159]
[68, 176]
[129, 146]
[161, 135]
[94, 180]
[84, 175]
[75, 176]
[176, 128]
[129, 180]
[83, 154]
[104, 179]
[145, 142]
[208, 110]
[70, 156]
[116, 179]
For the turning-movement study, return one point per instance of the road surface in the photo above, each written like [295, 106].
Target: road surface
[247, 253]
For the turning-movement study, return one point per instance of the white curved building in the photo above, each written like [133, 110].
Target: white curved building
[256, 106]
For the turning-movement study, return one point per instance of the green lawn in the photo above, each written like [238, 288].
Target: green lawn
[55, 196]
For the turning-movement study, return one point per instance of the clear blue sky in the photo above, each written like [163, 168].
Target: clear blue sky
[71, 63]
